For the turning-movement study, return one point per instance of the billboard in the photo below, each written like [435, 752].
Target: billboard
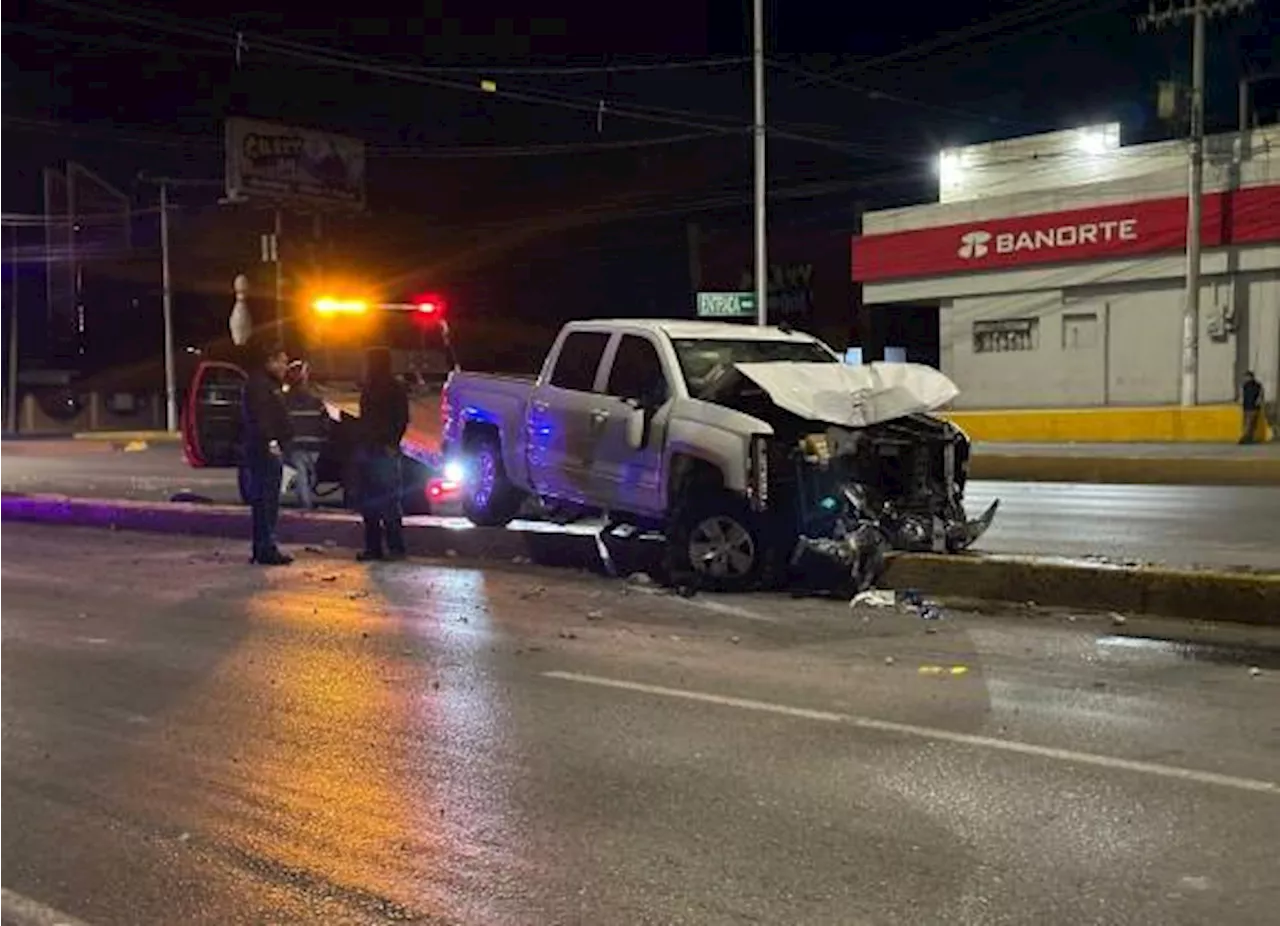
[282, 165]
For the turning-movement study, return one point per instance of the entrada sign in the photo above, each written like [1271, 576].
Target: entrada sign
[726, 305]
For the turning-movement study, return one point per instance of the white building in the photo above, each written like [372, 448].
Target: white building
[1058, 265]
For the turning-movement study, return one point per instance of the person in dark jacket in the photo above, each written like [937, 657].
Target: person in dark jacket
[267, 434]
[309, 420]
[1251, 402]
[384, 416]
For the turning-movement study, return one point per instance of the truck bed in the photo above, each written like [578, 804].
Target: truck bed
[421, 439]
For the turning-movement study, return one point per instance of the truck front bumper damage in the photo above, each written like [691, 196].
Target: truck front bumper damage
[848, 496]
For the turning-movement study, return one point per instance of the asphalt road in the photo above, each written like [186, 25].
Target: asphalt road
[1178, 525]
[188, 739]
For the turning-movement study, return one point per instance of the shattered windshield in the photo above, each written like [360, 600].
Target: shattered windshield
[700, 359]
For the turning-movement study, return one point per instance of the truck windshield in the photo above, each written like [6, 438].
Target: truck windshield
[699, 359]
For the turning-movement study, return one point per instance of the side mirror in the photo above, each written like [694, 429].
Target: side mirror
[637, 428]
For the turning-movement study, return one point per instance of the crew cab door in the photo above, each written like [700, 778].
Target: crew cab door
[211, 417]
[630, 479]
[560, 428]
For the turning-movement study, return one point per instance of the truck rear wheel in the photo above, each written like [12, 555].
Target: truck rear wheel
[716, 541]
[489, 499]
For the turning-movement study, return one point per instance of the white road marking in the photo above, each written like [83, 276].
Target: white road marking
[23, 911]
[932, 733]
[707, 604]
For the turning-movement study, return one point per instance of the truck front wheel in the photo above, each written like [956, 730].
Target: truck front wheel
[489, 499]
[716, 541]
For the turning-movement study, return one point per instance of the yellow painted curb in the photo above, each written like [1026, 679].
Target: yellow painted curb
[125, 437]
[1168, 424]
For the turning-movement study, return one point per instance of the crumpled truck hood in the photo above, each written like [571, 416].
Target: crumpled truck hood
[852, 397]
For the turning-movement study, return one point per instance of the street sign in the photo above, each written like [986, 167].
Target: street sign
[726, 305]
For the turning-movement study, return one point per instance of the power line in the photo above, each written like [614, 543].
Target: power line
[1031, 18]
[332, 58]
[877, 95]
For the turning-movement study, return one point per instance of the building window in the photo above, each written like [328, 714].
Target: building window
[1080, 331]
[1001, 335]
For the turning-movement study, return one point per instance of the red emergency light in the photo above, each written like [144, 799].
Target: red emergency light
[429, 304]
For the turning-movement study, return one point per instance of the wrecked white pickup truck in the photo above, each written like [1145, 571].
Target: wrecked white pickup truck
[750, 448]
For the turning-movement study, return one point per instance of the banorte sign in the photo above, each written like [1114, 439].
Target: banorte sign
[1104, 232]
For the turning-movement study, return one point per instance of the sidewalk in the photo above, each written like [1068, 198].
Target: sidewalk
[1163, 464]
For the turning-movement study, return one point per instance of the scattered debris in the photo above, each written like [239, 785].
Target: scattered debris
[640, 578]
[184, 837]
[364, 634]
[1071, 618]
[889, 660]
[329, 577]
[1118, 619]
[312, 548]
[943, 670]
[1255, 672]
[568, 635]
[190, 498]
[358, 593]
[735, 639]
[520, 560]
[874, 598]
[596, 615]
[435, 684]
[330, 542]
[451, 553]
[536, 592]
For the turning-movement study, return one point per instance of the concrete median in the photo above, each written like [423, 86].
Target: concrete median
[1127, 470]
[1238, 597]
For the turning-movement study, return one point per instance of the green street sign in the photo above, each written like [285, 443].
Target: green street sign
[726, 305]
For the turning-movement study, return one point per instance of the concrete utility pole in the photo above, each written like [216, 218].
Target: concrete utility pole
[762, 249]
[166, 278]
[11, 406]
[166, 296]
[1198, 11]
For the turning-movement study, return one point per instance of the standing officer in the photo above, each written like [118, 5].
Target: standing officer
[384, 416]
[267, 434]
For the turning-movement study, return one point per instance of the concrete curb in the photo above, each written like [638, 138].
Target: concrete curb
[1189, 470]
[1248, 598]
[1230, 597]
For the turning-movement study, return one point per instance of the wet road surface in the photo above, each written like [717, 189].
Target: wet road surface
[1178, 525]
[187, 739]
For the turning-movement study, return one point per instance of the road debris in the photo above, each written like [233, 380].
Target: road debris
[1255, 672]
[874, 598]
[596, 615]
[536, 592]
[889, 661]
[568, 635]
[1118, 620]
[329, 577]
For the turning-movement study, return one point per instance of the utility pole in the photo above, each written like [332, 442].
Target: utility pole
[11, 407]
[1198, 11]
[166, 291]
[762, 249]
[166, 284]
[275, 253]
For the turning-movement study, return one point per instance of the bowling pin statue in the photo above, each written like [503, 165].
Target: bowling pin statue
[241, 322]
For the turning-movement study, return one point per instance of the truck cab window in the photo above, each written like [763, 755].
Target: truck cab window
[579, 359]
[637, 371]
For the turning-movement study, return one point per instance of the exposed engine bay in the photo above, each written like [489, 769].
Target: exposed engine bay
[850, 493]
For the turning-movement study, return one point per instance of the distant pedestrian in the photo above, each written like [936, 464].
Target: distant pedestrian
[1251, 402]
[384, 416]
[267, 434]
[309, 420]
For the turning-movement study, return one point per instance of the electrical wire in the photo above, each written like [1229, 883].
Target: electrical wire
[1031, 18]
[332, 58]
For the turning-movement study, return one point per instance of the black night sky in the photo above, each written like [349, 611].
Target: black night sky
[566, 192]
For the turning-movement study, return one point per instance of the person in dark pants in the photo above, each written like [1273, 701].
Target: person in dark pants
[384, 415]
[267, 435]
[1251, 403]
[310, 422]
